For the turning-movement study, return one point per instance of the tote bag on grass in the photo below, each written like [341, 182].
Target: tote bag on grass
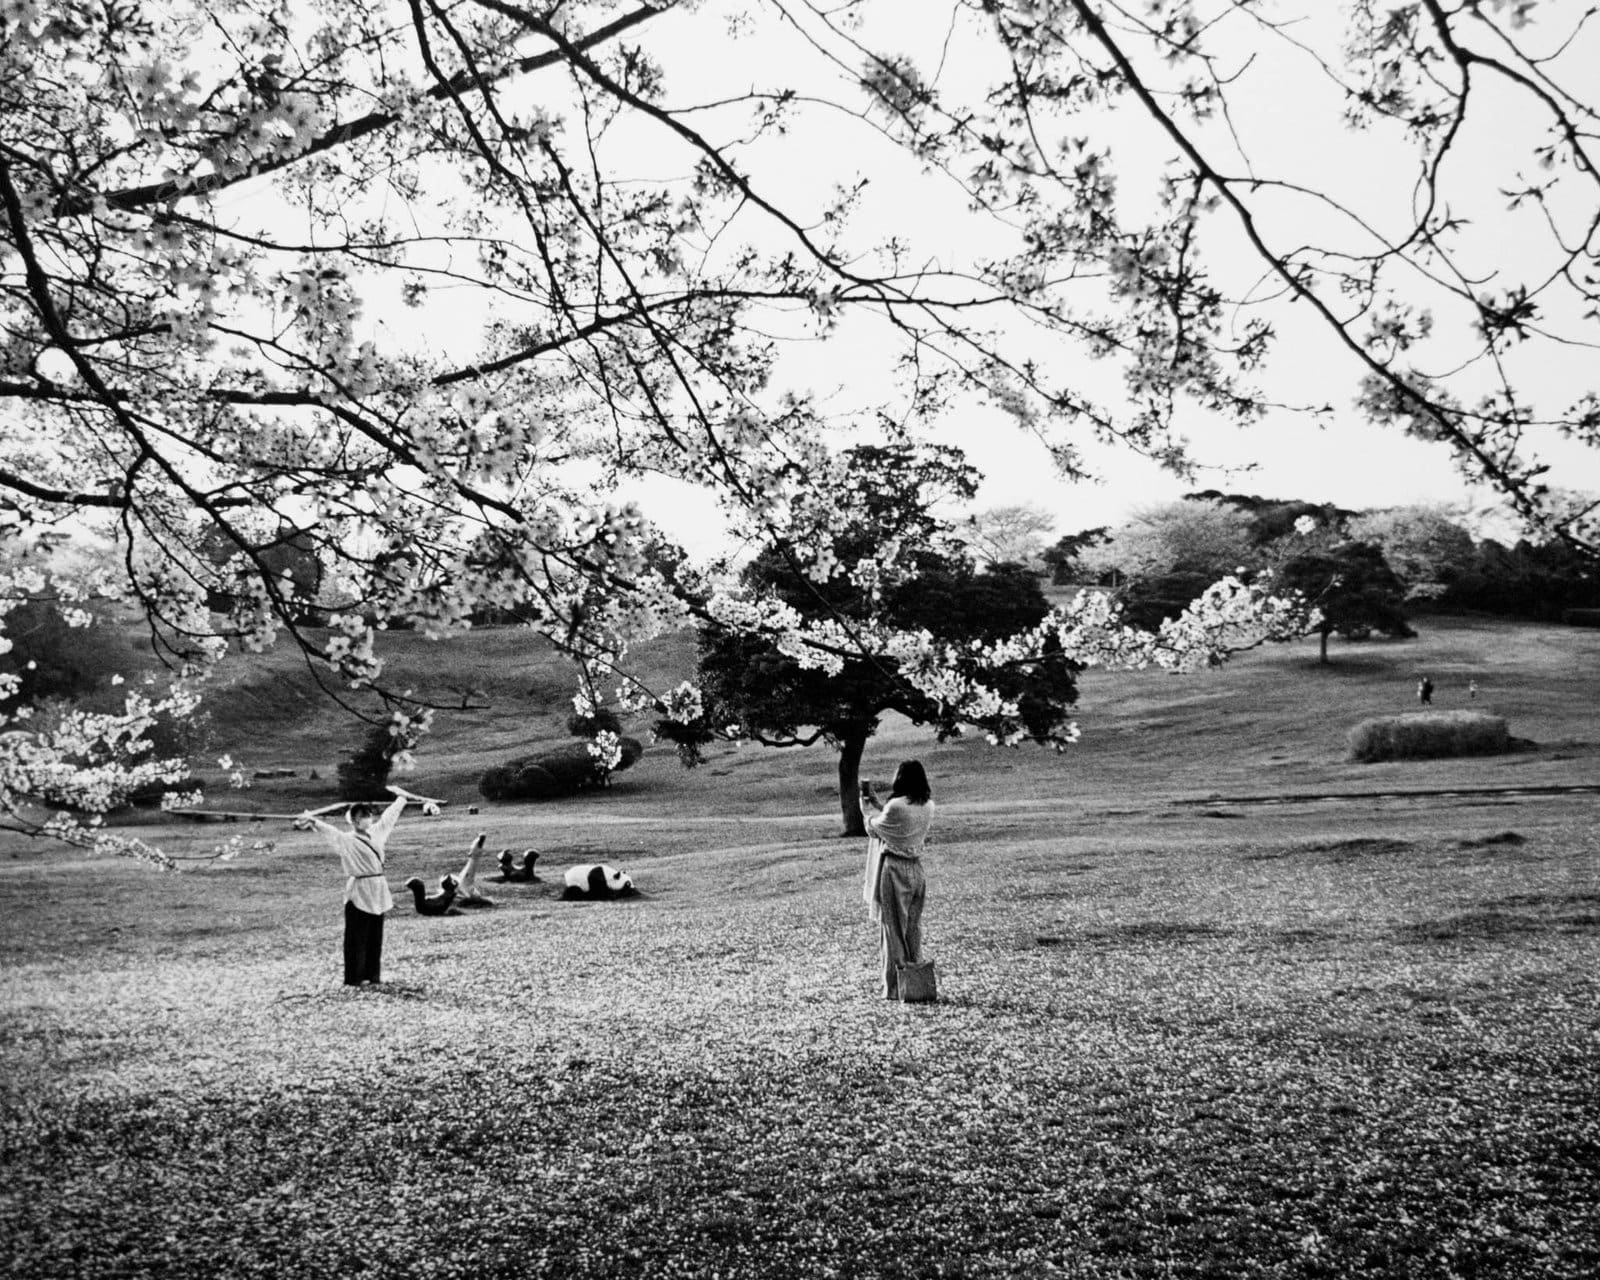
[915, 982]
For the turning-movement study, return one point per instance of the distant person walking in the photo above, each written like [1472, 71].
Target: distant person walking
[1472, 688]
[361, 848]
[1425, 691]
[897, 833]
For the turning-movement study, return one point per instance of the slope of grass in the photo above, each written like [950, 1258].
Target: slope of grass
[1318, 1039]
[1273, 718]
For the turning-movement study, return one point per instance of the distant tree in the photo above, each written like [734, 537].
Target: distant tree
[1348, 581]
[1428, 550]
[1062, 556]
[1165, 556]
[1540, 580]
[1012, 534]
[1274, 518]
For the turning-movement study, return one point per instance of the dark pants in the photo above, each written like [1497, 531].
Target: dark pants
[363, 945]
[902, 890]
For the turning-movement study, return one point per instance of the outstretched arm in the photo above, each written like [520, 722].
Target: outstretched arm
[386, 820]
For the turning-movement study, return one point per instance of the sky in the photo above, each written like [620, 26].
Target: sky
[1281, 123]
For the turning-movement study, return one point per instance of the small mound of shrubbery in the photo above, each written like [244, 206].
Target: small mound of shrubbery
[564, 771]
[1426, 735]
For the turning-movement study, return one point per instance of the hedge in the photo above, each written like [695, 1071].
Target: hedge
[563, 771]
[1420, 735]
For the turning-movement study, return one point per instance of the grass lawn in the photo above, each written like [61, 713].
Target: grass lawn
[1183, 1033]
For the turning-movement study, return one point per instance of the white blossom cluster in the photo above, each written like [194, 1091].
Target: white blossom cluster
[1230, 616]
[606, 750]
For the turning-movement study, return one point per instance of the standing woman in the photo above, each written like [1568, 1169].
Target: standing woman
[897, 832]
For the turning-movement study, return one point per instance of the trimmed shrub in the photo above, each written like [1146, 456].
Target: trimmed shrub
[495, 782]
[563, 771]
[1425, 735]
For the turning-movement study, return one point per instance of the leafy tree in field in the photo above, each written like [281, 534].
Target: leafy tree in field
[777, 700]
[1349, 582]
[436, 284]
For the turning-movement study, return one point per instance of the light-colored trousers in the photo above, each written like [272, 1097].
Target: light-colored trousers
[901, 890]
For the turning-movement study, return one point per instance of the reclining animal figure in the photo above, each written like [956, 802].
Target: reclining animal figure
[438, 904]
[592, 880]
[510, 871]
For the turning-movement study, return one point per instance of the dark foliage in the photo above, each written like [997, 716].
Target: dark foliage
[564, 771]
[601, 720]
[1538, 580]
[54, 660]
[291, 555]
[366, 773]
[1274, 518]
[1354, 587]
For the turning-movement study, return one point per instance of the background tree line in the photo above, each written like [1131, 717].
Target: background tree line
[1396, 560]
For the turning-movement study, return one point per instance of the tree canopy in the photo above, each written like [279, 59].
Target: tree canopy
[434, 289]
[749, 688]
[1349, 582]
[1014, 533]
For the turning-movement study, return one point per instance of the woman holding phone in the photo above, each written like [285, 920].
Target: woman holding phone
[897, 833]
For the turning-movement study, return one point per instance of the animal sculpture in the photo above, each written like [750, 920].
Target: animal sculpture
[512, 872]
[595, 880]
[436, 904]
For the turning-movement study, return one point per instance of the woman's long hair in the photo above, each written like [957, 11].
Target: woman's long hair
[911, 781]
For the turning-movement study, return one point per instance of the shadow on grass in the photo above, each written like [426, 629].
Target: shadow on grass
[1489, 924]
[1337, 851]
[1140, 932]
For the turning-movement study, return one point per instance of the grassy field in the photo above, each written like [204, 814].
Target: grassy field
[1216, 1003]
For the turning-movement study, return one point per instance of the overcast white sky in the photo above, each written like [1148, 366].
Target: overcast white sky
[1287, 121]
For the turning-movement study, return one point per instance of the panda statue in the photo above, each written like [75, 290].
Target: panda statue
[592, 880]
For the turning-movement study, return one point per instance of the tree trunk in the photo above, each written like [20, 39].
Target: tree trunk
[851, 749]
